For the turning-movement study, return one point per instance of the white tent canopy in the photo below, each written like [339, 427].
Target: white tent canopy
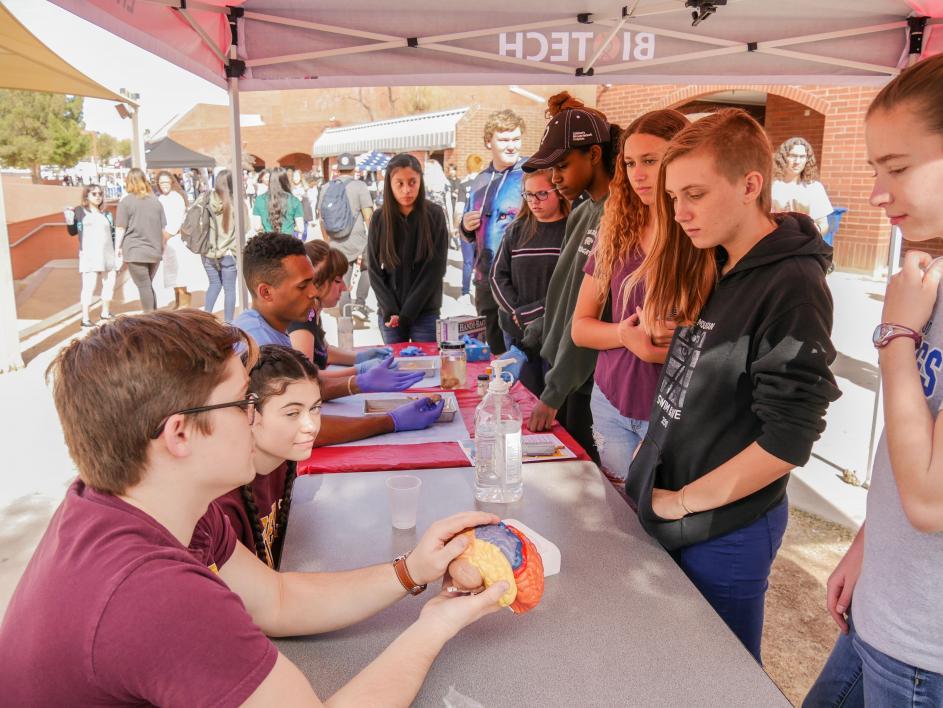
[309, 44]
[425, 131]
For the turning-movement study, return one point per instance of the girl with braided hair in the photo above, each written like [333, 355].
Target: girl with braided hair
[287, 421]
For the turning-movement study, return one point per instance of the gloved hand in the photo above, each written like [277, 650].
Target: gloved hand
[410, 351]
[417, 415]
[519, 358]
[365, 366]
[386, 377]
[372, 353]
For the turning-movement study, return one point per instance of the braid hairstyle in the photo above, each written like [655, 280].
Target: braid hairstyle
[277, 367]
[252, 510]
[284, 507]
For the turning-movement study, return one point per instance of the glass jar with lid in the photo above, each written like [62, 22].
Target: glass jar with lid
[454, 365]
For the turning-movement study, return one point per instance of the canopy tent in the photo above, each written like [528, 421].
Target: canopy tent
[169, 154]
[288, 44]
[29, 65]
[372, 161]
[426, 131]
[284, 44]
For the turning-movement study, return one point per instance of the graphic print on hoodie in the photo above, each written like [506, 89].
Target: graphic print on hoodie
[754, 367]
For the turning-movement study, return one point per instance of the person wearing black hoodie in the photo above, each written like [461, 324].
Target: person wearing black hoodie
[744, 389]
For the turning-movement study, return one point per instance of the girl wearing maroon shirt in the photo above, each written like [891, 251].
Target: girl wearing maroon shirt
[629, 361]
[287, 421]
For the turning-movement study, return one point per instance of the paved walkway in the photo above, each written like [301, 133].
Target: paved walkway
[38, 469]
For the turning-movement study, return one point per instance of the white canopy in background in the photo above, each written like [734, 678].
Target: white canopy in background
[325, 43]
[426, 131]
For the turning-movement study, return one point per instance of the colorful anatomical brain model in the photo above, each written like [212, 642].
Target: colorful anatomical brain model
[501, 552]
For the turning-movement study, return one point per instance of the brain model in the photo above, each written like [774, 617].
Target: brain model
[501, 552]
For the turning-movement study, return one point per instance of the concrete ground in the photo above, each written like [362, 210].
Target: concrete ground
[38, 467]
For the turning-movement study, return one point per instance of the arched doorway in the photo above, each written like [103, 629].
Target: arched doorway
[296, 161]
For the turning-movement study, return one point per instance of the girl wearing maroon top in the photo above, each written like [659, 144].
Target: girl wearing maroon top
[287, 421]
[629, 360]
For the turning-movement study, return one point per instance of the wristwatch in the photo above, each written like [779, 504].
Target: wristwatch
[405, 579]
[886, 332]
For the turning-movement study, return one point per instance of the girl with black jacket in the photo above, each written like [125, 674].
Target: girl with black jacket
[746, 381]
[408, 246]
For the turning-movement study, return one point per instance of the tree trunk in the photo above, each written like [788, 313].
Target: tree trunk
[37, 177]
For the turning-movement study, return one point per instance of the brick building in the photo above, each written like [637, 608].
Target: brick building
[831, 118]
[280, 127]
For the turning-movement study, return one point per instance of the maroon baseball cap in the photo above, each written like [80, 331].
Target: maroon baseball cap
[568, 129]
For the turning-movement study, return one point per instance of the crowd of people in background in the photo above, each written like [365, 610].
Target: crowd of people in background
[662, 291]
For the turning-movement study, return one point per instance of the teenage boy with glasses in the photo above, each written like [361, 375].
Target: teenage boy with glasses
[139, 593]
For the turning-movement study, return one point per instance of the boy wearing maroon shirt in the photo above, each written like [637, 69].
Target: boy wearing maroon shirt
[138, 592]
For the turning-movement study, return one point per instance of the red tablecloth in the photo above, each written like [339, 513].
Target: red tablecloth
[365, 458]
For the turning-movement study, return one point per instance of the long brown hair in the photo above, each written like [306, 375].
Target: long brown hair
[625, 216]
[391, 217]
[528, 222]
[223, 189]
[921, 86]
[136, 183]
[279, 197]
[278, 367]
[679, 277]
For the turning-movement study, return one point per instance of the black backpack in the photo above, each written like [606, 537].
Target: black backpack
[336, 214]
[195, 230]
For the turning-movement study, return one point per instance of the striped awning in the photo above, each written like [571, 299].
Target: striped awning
[427, 131]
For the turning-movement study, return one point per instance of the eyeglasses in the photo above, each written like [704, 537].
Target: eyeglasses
[248, 405]
[794, 156]
[540, 196]
[94, 194]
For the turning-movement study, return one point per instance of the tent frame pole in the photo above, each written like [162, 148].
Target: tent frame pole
[235, 137]
[11, 358]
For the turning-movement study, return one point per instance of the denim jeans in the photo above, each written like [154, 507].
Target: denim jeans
[222, 276]
[422, 329]
[468, 264]
[856, 674]
[616, 436]
[732, 573]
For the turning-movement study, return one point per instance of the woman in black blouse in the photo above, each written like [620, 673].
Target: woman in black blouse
[408, 246]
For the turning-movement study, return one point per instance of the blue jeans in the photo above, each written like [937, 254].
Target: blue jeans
[732, 573]
[856, 674]
[616, 436]
[222, 276]
[422, 329]
[468, 264]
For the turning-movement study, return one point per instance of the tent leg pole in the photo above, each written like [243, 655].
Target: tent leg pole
[137, 140]
[893, 261]
[10, 357]
[238, 186]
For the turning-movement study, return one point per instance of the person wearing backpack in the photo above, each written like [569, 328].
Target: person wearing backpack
[344, 210]
[217, 225]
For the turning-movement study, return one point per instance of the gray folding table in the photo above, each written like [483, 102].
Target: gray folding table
[620, 625]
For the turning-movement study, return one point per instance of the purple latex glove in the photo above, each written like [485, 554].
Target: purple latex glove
[386, 377]
[416, 415]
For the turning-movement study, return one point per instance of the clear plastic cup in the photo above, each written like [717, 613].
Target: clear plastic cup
[404, 500]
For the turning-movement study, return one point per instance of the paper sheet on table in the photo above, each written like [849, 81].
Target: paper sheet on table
[434, 381]
[562, 451]
[352, 406]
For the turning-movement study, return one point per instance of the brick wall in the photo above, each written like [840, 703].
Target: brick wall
[837, 137]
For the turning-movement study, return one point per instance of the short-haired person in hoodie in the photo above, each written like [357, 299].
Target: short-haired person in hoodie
[744, 388]
[885, 592]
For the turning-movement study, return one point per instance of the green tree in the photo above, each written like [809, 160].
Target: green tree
[105, 146]
[41, 128]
